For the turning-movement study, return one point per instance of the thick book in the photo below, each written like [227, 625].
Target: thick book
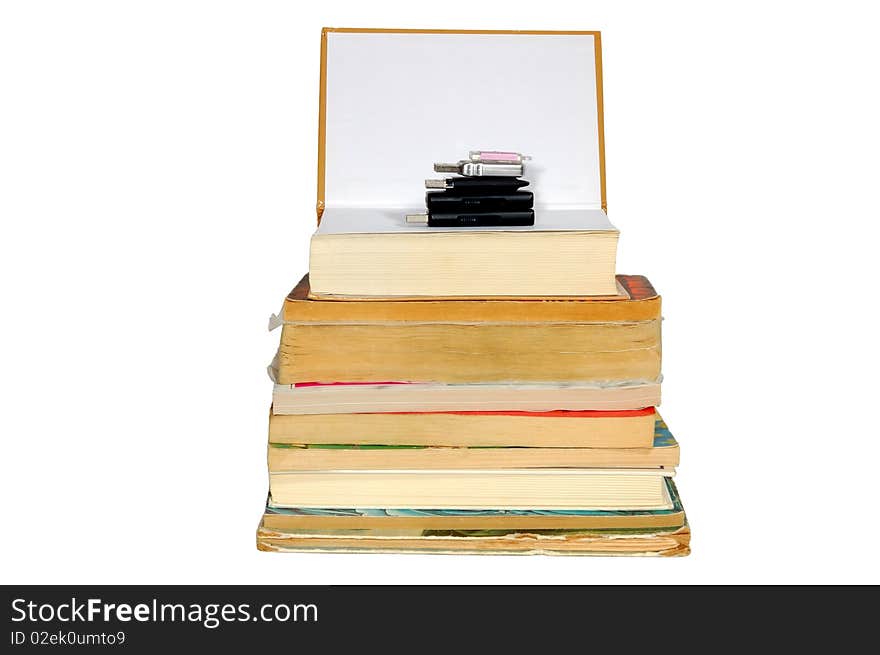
[562, 488]
[664, 452]
[371, 252]
[456, 342]
[323, 518]
[636, 300]
[557, 429]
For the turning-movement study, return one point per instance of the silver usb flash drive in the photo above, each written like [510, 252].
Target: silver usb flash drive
[472, 169]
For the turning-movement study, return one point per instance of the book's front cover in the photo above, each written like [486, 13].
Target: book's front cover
[538, 91]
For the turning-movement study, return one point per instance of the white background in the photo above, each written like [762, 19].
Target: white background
[157, 183]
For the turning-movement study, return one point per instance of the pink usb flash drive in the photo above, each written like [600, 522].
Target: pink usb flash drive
[496, 157]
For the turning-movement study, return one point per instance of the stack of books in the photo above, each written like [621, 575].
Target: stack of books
[468, 389]
[505, 425]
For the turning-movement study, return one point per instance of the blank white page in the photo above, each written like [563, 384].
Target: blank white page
[398, 102]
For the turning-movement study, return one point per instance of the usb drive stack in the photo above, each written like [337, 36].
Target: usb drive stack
[486, 192]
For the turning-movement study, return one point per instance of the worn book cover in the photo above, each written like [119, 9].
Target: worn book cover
[671, 542]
